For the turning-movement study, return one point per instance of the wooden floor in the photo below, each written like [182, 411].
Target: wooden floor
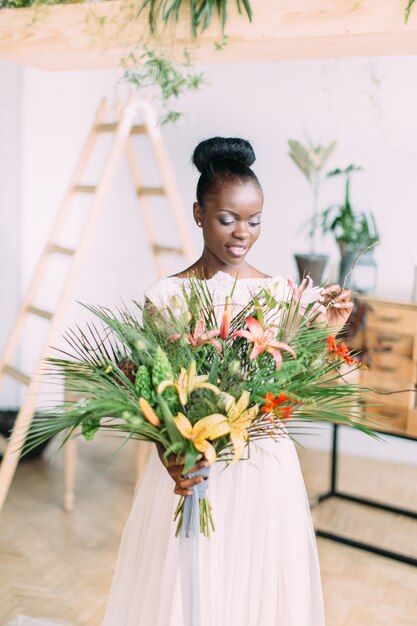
[56, 564]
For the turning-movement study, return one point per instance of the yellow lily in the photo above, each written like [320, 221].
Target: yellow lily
[187, 382]
[209, 427]
[239, 418]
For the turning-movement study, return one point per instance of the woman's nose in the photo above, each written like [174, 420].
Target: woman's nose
[241, 230]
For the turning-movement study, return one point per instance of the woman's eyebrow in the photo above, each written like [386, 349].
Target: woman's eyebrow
[237, 214]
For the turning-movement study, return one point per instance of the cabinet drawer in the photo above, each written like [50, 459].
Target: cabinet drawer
[390, 343]
[383, 382]
[390, 418]
[401, 367]
[412, 423]
[395, 318]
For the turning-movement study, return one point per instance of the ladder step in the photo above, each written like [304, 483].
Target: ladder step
[151, 191]
[16, 374]
[60, 250]
[84, 189]
[139, 129]
[3, 444]
[166, 249]
[40, 312]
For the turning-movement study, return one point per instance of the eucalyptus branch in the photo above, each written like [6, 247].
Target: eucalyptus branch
[357, 259]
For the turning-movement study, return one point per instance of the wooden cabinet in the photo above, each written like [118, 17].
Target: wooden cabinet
[389, 340]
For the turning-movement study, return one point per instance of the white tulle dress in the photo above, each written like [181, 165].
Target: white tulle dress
[259, 568]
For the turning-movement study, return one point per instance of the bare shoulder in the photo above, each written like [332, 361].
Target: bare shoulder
[252, 272]
[193, 270]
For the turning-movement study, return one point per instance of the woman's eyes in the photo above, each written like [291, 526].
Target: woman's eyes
[230, 222]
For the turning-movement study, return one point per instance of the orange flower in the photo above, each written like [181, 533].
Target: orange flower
[341, 350]
[345, 354]
[263, 341]
[285, 412]
[148, 412]
[272, 402]
[332, 344]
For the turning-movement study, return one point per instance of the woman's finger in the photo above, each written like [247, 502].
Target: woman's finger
[182, 492]
[332, 289]
[198, 466]
[185, 483]
[343, 305]
[343, 295]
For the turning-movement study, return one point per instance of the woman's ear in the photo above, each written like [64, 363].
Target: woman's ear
[198, 214]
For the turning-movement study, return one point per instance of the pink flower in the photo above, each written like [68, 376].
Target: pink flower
[225, 324]
[305, 294]
[201, 336]
[263, 341]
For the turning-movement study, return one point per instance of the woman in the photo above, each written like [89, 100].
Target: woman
[260, 567]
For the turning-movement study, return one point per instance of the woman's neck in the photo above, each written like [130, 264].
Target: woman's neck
[208, 265]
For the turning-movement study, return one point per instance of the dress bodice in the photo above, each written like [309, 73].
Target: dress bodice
[168, 291]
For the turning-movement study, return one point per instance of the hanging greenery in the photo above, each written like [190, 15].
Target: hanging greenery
[172, 79]
[408, 10]
[201, 12]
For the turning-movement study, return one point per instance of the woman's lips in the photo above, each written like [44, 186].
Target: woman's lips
[236, 250]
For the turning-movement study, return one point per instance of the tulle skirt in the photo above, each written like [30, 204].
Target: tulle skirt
[259, 568]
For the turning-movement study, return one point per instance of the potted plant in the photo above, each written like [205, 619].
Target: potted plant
[355, 232]
[311, 159]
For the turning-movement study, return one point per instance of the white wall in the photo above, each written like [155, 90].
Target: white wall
[10, 207]
[368, 105]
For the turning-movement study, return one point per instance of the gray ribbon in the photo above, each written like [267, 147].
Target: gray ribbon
[188, 547]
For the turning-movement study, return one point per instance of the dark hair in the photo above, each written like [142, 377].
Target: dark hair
[222, 160]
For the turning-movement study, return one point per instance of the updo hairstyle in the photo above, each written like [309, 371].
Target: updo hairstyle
[221, 161]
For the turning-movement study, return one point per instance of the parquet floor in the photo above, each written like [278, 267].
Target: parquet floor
[55, 564]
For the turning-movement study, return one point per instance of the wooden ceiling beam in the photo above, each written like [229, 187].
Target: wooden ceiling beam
[89, 36]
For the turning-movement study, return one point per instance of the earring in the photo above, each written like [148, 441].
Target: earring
[198, 223]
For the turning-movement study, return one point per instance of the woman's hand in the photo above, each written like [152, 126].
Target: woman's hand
[175, 469]
[337, 303]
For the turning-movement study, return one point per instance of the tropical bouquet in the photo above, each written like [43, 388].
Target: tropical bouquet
[201, 380]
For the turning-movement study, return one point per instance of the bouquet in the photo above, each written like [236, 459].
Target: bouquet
[200, 380]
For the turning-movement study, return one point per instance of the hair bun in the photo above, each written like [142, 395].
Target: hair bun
[222, 148]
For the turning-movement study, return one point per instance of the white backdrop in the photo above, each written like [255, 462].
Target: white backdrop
[368, 105]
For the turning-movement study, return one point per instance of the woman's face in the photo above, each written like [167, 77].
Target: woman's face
[231, 221]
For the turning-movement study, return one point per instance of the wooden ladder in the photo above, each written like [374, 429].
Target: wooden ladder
[123, 127]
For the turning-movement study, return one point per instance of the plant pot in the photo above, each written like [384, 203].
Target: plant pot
[7, 420]
[363, 277]
[311, 265]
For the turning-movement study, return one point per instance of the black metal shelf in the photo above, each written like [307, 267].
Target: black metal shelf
[382, 506]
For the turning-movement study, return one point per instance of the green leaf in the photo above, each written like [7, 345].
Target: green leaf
[173, 432]
[90, 427]
[191, 456]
